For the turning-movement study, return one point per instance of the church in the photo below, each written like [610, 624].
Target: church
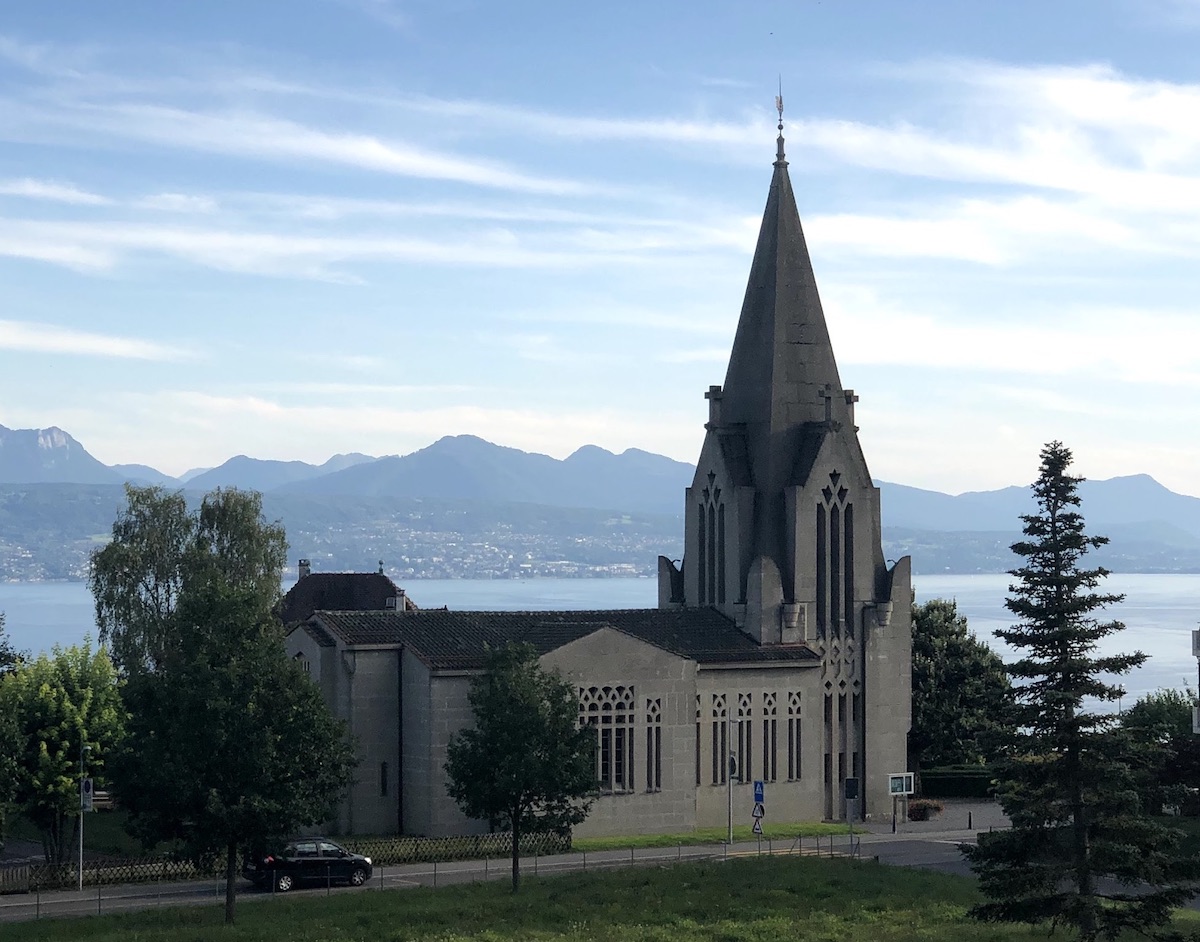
[780, 650]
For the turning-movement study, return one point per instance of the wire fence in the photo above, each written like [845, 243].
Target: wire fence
[31, 876]
[208, 888]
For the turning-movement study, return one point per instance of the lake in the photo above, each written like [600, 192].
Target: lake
[1159, 611]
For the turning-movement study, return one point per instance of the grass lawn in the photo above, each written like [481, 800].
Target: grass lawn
[103, 833]
[779, 833]
[754, 899]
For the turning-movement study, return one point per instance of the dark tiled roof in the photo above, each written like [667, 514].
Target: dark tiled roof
[456, 640]
[318, 634]
[343, 591]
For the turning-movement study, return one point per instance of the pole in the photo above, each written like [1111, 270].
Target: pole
[729, 778]
[83, 750]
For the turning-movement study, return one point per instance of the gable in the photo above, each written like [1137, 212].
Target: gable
[607, 652]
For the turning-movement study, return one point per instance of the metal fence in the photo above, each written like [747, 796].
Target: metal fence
[397, 850]
[29, 876]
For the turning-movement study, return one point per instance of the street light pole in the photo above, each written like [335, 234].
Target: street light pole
[729, 778]
[84, 749]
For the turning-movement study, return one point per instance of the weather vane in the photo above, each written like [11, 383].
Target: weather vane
[779, 103]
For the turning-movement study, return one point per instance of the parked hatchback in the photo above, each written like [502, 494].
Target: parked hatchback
[311, 861]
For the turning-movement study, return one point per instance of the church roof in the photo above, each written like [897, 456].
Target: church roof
[782, 388]
[782, 358]
[447, 640]
[337, 590]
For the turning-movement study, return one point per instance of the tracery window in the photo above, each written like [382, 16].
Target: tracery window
[745, 736]
[835, 560]
[793, 735]
[654, 744]
[611, 711]
[770, 732]
[720, 739]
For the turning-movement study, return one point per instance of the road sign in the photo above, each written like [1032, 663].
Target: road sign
[759, 811]
[851, 789]
[757, 829]
[759, 789]
[85, 796]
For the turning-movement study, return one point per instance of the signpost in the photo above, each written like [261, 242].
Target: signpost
[899, 784]
[760, 810]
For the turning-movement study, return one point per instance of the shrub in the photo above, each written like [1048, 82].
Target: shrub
[970, 782]
[922, 809]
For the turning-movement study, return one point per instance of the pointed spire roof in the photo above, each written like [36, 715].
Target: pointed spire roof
[782, 375]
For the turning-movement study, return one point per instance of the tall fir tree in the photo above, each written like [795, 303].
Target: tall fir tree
[1081, 850]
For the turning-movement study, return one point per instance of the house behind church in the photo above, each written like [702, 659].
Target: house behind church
[782, 641]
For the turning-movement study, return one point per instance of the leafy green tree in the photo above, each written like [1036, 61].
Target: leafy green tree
[526, 765]
[229, 742]
[1161, 722]
[960, 692]
[1162, 715]
[10, 739]
[157, 550]
[1080, 851]
[10, 658]
[60, 704]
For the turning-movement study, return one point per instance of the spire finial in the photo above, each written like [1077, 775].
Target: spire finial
[780, 159]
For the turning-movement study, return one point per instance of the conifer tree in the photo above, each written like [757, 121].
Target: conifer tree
[1081, 852]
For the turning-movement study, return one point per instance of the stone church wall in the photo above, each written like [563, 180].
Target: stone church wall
[789, 799]
[662, 796]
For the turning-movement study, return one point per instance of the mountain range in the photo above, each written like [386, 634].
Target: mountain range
[1151, 527]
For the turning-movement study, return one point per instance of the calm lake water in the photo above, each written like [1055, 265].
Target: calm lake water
[1159, 611]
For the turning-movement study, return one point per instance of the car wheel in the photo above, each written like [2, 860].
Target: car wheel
[358, 876]
[284, 882]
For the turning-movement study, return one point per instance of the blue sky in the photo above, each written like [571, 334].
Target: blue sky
[291, 229]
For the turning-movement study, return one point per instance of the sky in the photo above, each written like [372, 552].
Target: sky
[295, 228]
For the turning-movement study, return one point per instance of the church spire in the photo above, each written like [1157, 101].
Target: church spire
[780, 157]
[782, 374]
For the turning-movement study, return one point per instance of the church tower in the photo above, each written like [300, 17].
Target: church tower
[782, 529]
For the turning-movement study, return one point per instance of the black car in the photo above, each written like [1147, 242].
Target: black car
[310, 860]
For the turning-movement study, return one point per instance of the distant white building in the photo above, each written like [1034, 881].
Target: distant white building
[782, 637]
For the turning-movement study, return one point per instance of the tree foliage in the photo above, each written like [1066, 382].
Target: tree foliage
[10, 740]
[10, 658]
[58, 704]
[960, 691]
[229, 742]
[1080, 851]
[1161, 723]
[159, 548]
[526, 765]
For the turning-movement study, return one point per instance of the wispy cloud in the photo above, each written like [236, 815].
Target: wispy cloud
[50, 190]
[178, 203]
[48, 338]
[248, 134]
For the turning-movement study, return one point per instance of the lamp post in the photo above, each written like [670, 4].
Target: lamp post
[84, 749]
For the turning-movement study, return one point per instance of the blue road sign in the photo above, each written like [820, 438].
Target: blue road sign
[758, 791]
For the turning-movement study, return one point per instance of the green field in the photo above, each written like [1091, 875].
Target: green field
[753, 899]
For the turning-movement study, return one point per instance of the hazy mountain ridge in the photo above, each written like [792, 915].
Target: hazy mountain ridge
[465, 506]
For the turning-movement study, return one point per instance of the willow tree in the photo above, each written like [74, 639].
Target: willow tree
[1081, 851]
